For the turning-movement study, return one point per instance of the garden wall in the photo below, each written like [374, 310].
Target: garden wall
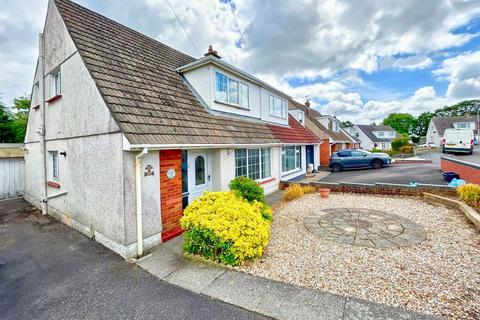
[380, 188]
[467, 171]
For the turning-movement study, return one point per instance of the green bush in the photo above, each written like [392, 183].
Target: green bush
[223, 227]
[399, 142]
[247, 189]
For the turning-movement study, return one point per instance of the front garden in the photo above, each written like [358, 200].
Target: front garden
[399, 251]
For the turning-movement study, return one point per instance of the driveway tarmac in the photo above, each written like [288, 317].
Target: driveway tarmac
[49, 271]
[403, 174]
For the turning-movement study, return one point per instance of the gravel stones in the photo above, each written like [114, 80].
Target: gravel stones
[439, 275]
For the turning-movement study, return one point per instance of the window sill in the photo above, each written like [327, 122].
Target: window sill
[265, 181]
[37, 107]
[53, 184]
[287, 173]
[231, 105]
[278, 117]
[54, 98]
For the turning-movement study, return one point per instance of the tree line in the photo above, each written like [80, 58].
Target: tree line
[13, 122]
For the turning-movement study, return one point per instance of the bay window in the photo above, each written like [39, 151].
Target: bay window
[253, 163]
[231, 91]
[278, 107]
[291, 158]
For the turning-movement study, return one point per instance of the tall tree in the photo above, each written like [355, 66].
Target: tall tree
[420, 124]
[21, 106]
[464, 108]
[401, 122]
[7, 134]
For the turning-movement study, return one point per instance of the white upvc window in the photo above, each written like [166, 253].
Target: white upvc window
[291, 158]
[301, 117]
[231, 91]
[463, 125]
[381, 133]
[53, 170]
[278, 106]
[253, 163]
[57, 83]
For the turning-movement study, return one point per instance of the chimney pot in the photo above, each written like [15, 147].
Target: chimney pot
[307, 103]
[212, 52]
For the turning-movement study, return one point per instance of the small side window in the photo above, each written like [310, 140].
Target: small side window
[57, 90]
[53, 166]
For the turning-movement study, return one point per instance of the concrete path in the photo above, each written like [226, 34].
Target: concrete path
[267, 297]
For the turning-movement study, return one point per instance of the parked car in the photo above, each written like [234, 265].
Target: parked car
[458, 141]
[356, 158]
[427, 145]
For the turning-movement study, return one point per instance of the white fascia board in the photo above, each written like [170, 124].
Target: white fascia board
[238, 72]
[136, 147]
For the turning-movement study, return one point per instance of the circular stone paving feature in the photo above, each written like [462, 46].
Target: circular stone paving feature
[365, 228]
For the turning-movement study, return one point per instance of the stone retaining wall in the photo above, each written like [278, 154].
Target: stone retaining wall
[379, 188]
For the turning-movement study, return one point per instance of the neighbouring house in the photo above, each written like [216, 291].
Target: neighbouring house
[326, 128]
[437, 127]
[124, 131]
[374, 137]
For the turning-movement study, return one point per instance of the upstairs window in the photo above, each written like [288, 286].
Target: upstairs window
[57, 84]
[381, 133]
[278, 107]
[231, 91]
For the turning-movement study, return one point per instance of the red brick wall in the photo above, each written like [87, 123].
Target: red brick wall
[171, 193]
[469, 173]
[324, 152]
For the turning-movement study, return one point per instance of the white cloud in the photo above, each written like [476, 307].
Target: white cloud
[463, 73]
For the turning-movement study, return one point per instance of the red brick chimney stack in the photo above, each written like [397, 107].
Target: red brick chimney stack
[212, 52]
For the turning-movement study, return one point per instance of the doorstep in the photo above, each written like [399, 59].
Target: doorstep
[268, 297]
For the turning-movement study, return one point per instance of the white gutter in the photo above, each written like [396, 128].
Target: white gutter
[42, 131]
[134, 147]
[138, 191]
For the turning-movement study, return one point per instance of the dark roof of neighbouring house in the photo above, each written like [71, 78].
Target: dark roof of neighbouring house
[148, 99]
[298, 135]
[369, 129]
[313, 115]
[442, 123]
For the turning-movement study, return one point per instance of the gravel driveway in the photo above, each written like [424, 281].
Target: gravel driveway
[440, 275]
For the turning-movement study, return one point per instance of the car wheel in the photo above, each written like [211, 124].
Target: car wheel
[337, 167]
[377, 164]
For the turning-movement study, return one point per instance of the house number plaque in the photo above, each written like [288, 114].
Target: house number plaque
[171, 173]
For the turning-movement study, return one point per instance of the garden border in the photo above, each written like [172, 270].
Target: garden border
[469, 212]
[379, 188]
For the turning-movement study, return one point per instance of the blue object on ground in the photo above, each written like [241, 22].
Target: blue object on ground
[449, 176]
[456, 183]
[413, 184]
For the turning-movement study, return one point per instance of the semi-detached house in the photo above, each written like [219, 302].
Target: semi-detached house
[124, 131]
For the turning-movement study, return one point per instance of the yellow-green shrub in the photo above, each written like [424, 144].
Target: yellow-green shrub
[406, 149]
[226, 228]
[294, 191]
[308, 189]
[470, 193]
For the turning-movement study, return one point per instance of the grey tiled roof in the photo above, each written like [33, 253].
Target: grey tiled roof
[442, 123]
[369, 129]
[146, 96]
[312, 114]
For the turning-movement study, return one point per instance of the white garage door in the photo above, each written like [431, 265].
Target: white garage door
[11, 178]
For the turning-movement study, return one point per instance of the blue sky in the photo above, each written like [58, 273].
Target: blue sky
[357, 60]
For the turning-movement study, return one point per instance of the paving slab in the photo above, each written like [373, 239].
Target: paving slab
[194, 277]
[240, 289]
[285, 301]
